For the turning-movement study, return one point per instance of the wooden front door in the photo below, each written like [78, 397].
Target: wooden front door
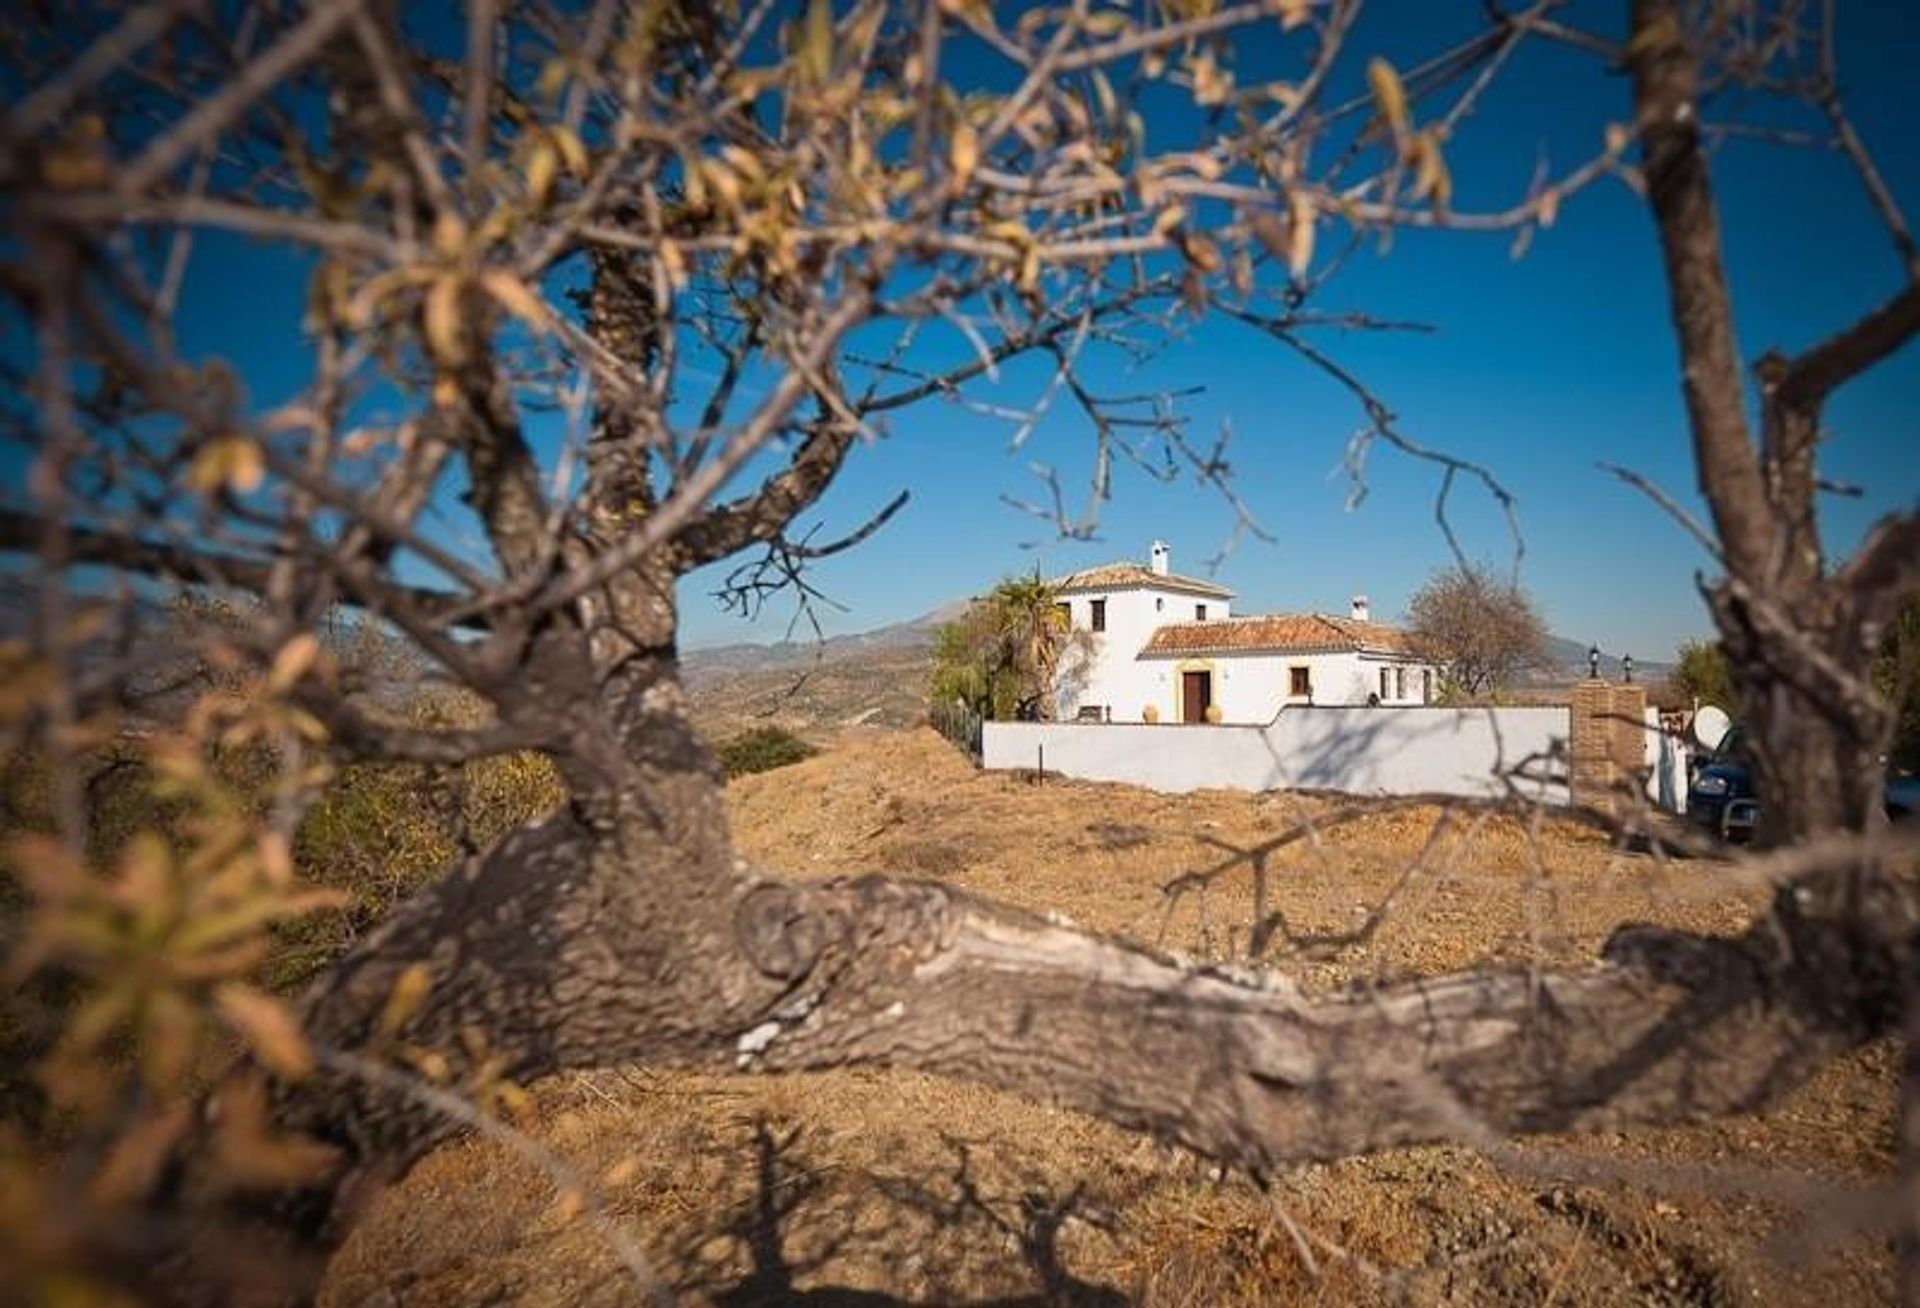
[1196, 692]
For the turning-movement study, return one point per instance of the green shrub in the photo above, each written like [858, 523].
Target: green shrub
[381, 831]
[763, 749]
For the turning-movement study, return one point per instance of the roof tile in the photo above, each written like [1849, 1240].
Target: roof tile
[1278, 633]
[1125, 576]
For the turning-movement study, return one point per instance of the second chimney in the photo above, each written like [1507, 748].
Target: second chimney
[1359, 610]
[1161, 557]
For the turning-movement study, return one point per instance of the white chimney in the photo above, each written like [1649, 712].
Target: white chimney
[1161, 557]
[1359, 610]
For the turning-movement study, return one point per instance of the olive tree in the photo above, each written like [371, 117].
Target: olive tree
[715, 250]
[1484, 631]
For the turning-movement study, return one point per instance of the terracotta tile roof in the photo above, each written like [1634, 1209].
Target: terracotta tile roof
[1295, 633]
[1125, 576]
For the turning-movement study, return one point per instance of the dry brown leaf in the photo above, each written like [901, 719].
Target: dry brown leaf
[268, 1027]
[517, 298]
[543, 169]
[1300, 234]
[294, 660]
[232, 461]
[446, 334]
[250, 1153]
[409, 992]
[134, 1164]
[963, 152]
[1389, 94]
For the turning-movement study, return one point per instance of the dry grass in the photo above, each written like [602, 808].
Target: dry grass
[869, 1187]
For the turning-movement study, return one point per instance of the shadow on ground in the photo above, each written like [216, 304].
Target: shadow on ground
[1032, 1222]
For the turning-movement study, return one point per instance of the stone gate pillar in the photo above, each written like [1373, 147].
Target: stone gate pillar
[1608, 744]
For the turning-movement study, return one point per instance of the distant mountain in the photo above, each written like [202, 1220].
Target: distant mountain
[914, 633]
[1570, 662]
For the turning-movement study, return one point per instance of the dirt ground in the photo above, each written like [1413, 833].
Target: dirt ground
[864, 1188]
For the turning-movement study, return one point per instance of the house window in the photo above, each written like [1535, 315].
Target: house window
[1063, 612]
[1199, 613]
[1426, 685]
[1384, 693]
[1400, 683]
[1300, 683]
[1099, 608]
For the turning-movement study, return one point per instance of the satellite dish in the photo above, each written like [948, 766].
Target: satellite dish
[1710, 726]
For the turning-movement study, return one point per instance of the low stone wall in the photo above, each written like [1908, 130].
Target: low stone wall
[1367, 751]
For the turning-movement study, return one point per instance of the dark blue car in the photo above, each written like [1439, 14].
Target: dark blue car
[1722, 797]
[1903, 796]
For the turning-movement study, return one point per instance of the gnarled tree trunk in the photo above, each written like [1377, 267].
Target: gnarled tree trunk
[623, 929]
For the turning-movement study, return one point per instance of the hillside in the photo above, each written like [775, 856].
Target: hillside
[876, 678]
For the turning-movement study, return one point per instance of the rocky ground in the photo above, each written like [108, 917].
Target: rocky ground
[873, 1187]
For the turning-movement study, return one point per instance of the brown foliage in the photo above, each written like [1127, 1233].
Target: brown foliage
[1483, 630]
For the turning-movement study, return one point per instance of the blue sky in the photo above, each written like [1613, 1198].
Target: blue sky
[1539, 368]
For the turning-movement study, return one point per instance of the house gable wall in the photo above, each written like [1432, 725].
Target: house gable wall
[1117, 679]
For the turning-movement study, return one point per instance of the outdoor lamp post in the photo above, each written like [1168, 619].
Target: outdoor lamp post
[1626, 668]
[1593, 662]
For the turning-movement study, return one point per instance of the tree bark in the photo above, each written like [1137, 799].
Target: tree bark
[1800, 643]
[1796, 645]
[1666, 83]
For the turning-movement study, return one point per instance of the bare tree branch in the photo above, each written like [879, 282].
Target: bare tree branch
[1810, 377]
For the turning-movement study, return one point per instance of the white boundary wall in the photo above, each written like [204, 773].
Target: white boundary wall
[1364, 751]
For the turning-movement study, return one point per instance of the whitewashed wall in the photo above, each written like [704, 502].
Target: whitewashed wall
[1247, 686]
[1380, 751]
[1251, 688]
[1119, 679]
[1666, 763]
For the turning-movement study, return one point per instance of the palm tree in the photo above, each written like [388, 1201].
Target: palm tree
[1036, 631]
[1003, 655]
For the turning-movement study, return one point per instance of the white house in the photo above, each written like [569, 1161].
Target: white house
[1163, 647]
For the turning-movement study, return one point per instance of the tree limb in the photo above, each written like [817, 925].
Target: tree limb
[1666, 77]
[1884, 573]
[761, 516]
[1813, 375]
[358, 737]
[688, 498]
[21, 533]
[1257, 1072]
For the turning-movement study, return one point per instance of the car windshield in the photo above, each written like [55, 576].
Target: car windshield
[1732, 747]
